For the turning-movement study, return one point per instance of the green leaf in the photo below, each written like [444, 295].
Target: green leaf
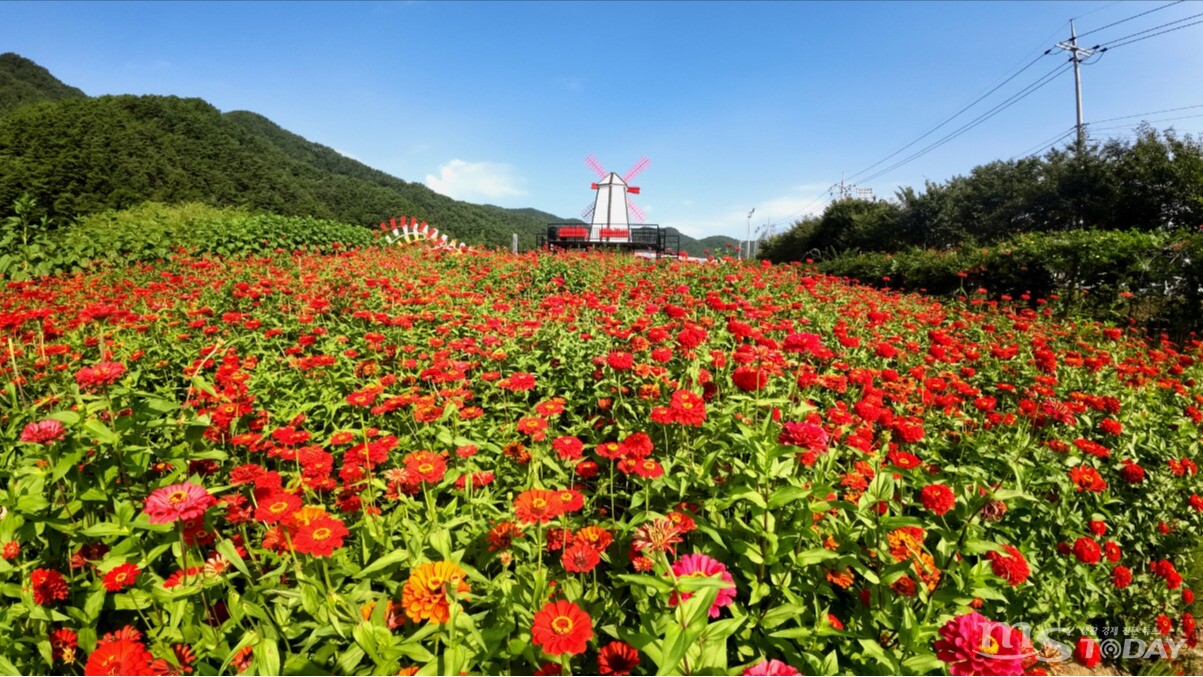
[814, 556]
[659, 585]
[787, 495]
[226, 549]
[395, 557]
[100, 432]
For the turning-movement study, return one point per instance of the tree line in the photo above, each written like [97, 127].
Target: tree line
[1153, 182]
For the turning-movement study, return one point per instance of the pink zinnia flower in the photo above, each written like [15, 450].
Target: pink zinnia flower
[975, 645]
[806, 435]
[43, 432]
[178, 502]
[703, 566]
[104, 373]
[771, 667]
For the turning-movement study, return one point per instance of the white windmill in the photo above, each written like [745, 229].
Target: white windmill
[610, 213]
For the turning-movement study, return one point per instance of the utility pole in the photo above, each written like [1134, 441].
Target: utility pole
[748, 255]
[1077, 55]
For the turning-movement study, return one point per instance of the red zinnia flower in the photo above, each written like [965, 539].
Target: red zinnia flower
[568, 448]
[427, 466]
[63, 643]
[320, 537]
[1087, 652]
[1009, 566]
[119, 657]
[1087, 550]
[561, 627]
[121, 576]
[1087, 479]
[580, 558]
[617, 658]
[48, 586]
[1121, 576]
[277, 506]
[937, 498]
[178, 502]
[1132, 473]
[620, 361]
[649, 468]
[687, 408]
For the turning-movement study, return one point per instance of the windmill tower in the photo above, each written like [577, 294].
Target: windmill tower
[610, 214]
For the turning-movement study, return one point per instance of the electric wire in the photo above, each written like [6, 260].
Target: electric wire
[1034, 150]
[1120, 42]
[1152, 112]
[1014, 99]
[1134, 16]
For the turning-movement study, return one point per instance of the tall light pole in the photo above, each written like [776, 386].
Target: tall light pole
[748, 255]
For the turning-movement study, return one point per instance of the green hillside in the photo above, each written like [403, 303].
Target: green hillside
[78, 155]
[23, 82]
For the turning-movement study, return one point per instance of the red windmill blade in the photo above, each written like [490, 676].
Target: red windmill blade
[636, 169]
[636, 211]
[596, 167]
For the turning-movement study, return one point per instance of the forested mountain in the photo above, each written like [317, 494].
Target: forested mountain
[77, 155]
[23, 81]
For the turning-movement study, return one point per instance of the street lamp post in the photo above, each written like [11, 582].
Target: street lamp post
[748, 254]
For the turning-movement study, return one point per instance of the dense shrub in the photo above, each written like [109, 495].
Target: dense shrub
[154, 231]
[1152, 278]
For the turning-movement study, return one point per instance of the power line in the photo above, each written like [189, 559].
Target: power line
[1125, 20]
[1034, 150]
[952, 117]
[1015, 98]
[1180, 117]
[1152, 112]
[1120, 42]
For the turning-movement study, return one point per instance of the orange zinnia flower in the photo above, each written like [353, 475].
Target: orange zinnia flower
[538, 505]
[425, 594]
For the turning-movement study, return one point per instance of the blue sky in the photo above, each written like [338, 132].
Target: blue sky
[739, 105]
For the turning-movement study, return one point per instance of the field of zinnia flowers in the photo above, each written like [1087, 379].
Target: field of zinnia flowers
[408, 461]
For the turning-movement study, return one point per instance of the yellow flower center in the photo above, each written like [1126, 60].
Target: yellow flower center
[992, 648]
[425, 468]
[278, 507]
[178, 496]
[562, 625]
[435, 584]
[322, 533]
[538, 503]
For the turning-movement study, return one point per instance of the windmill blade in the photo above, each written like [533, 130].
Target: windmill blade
[596, 167]
[639, 215]
[587, 213]
[637, 169]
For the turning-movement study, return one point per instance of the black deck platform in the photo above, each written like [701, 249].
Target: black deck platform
[646, 237]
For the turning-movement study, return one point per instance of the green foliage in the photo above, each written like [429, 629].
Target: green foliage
[23, 82]
[1152, 277]
[82, 156]
[154, 231]
[1153, 183]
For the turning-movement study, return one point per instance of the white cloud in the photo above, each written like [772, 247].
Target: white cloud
[477, 180]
